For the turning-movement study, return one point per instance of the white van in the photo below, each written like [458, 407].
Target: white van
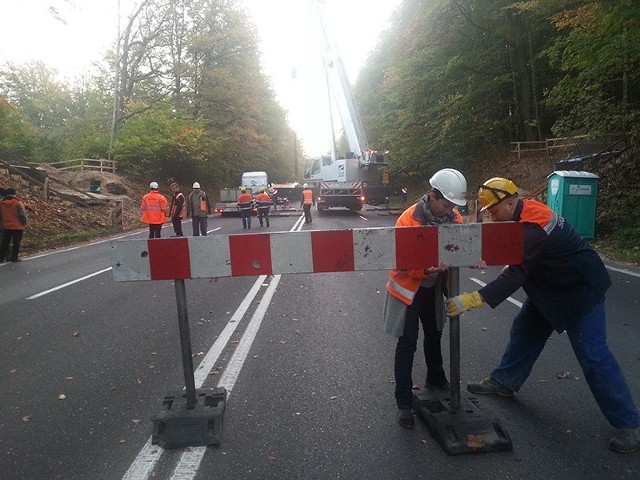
[254, 180]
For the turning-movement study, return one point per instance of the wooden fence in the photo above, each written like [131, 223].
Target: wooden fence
[82, 164]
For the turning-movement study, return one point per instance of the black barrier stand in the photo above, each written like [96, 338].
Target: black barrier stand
[457, 424]
[193, 417]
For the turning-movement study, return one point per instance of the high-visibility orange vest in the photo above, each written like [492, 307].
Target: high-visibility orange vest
[308, 197]
[154, 208]
[183, 208]
[403, 284]
[10, 211]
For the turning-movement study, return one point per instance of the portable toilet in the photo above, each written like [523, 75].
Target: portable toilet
[572, 195]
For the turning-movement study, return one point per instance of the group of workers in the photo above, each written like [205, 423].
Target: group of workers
[155, 209]
[565, 282]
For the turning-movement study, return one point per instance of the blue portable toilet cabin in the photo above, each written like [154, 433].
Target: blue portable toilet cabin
[572, 195]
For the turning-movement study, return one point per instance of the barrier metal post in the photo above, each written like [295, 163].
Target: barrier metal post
[185, 343]
[454, 342]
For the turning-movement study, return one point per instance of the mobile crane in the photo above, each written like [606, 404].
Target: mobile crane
[341, 181]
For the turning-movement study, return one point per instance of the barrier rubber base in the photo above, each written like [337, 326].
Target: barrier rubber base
[178, 426]
[464, 430]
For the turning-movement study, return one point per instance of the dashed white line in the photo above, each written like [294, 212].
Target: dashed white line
[59, 287]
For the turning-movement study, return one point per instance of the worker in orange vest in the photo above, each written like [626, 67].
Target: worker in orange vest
[415, 297]
[245, 205]
[154, 208]
[178, 209]
[14, 219]
[264, 203]
[306, 202]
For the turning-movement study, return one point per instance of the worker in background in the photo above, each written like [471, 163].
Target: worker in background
[245, 205]
[155, 209]
[415, 297]
[198, 208]
[264, 203]
[565, 281]
[307, 201]
[14, 219]
[178, 209]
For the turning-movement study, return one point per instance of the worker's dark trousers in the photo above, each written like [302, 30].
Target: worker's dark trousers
[307, 213]
[177, 226]
[422, 310]
[246, 218]
[154, 230]
[14, 237]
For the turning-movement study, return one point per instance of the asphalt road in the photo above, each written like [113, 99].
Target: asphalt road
[86, 362]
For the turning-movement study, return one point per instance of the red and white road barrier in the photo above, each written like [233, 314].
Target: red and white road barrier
[316, 251]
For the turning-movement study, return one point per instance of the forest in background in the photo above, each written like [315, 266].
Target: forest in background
[450, 83]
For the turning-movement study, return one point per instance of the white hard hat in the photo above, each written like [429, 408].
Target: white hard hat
[451, 184]
[196, 185]
[305, 185]
[153, 185]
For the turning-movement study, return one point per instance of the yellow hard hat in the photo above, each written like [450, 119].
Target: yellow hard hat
[494, 190]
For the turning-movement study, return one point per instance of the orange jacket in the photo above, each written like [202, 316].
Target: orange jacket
[178, 203]
[245, 201]
[12, 213]
[307, 197]
[403, 284]
[154, 208]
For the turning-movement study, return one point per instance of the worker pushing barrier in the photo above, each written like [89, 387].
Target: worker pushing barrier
[194, 417]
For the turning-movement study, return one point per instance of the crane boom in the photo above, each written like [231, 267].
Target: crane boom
[340, 88]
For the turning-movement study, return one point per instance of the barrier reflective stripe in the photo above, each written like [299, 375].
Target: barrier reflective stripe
[317, 251]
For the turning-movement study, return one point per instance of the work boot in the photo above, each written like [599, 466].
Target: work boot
[489, 386]
[442, 387]
[405, 418]
[627, 441]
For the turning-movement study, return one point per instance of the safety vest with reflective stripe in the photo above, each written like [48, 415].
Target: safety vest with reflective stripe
[154, 208]
[178, 202]
[403, 284]
[307, 197]
[245, 201]
[264, 202]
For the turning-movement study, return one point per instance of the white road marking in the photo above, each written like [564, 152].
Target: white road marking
[59, 287]
[622, 270]
[512, 300]
[189, 463]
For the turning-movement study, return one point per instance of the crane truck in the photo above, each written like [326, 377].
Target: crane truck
[342, 181]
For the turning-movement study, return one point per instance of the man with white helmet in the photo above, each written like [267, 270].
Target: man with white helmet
[416, 296]
[198, 208]
[154, 208]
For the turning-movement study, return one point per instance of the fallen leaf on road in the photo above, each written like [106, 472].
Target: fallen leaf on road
[475, 442]
[26, 418]
[333, 397]
[76, 334]
[68, 378]
[562, 375]
[62, 396]
[122, 441]
[271, 458]
[138, 381]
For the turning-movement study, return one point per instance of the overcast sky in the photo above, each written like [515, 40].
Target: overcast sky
[87, 28]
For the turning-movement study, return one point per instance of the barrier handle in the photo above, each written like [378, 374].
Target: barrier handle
[454, 341]
[185, 343]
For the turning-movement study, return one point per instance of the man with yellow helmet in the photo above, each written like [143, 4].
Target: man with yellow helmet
[565, 281]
